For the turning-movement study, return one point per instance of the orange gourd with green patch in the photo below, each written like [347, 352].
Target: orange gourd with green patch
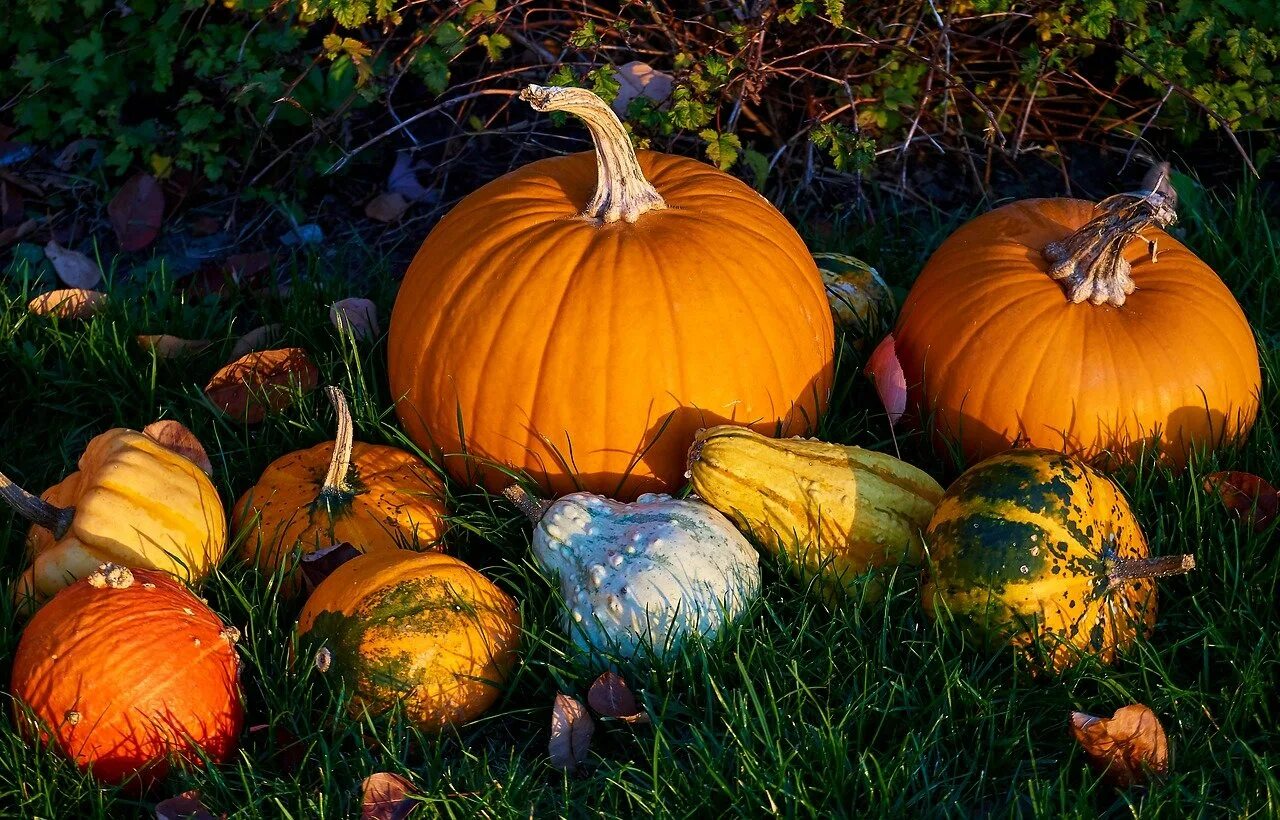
[124, 670]
[582, 316]
[1080, 327]
[1036, 549]
[420, 630]
[372, 496]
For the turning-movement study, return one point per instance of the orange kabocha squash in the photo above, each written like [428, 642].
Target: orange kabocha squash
[420, 630]
[125, 668]
[133, 502]
[372, 496]
[582, 316]
[1078, 327]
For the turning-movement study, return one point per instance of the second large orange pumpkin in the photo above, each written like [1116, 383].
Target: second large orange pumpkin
[582, 316]
[1078, 327]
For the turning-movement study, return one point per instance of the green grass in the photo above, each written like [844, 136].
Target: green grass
[802, 710]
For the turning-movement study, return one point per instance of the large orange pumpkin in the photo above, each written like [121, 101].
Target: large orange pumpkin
[581, 317]
[123, 670]
[1078, 327]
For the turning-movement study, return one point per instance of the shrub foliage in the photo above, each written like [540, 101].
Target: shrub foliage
[263, 91]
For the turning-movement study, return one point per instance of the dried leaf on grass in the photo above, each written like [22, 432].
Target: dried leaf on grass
[69, 303]
[387, 207]
[259, 338]
[262, 382]
[610, 696]
[172, 347]
[1127, 748]
[1250, 497]
[571, 731]
[886, 374]
[175, 436]
[356, 316]
[73, 267]
[320, 564]
[137, 212]
[186, 806]
[386, 796]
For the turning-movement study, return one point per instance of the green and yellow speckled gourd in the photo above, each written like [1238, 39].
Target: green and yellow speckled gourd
[1035, 549]
[861, 303]
[420, 630]
[834, 511]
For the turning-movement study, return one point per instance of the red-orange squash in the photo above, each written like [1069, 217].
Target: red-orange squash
[1077, 327]
[125, 669]
[581, 317]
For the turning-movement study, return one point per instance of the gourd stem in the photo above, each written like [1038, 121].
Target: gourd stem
[1090, 263]
[335, 481]
[622, 192]
[35, 509]
[533, 507]
[1160, 567]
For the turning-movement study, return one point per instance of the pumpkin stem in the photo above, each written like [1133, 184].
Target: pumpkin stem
[1160, 567]
[35, 509]
[336, 486]
[1090, 263]
[532, 506]
[622, 192]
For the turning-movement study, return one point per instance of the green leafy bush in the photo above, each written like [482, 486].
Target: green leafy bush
[275, 92]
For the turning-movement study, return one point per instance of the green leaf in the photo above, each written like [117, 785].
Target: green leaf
[585, 36]
[759, 165]
[451, 39]
[495, 44]
[722, 149]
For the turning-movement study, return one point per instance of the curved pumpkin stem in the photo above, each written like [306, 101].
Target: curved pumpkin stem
[1090, 263]
[1161, 567]
[622, 192]
[336, 486]
[533, 508]
[35, 509]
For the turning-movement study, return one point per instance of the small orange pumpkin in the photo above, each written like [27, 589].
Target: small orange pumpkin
[581, 317]
[372, 496]
[132, 501]
[124, 669]
[1140, 347]
[422, 630]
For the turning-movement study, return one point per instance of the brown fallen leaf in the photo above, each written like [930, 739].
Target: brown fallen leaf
[610, 696]
[318, 565]
[175, 436]
[386, 796]
[571, 731]
[137, 212]
[246, 267]
[186, 806]
[1125, 748]
[10, 235]
[73, 267]
[356, 316]
[69, 303]
[172, 347]
[259, 338]
[1250, 497]
[387, 207]
[262, 382]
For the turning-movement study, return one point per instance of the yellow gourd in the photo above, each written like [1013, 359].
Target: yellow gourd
[835, 512]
